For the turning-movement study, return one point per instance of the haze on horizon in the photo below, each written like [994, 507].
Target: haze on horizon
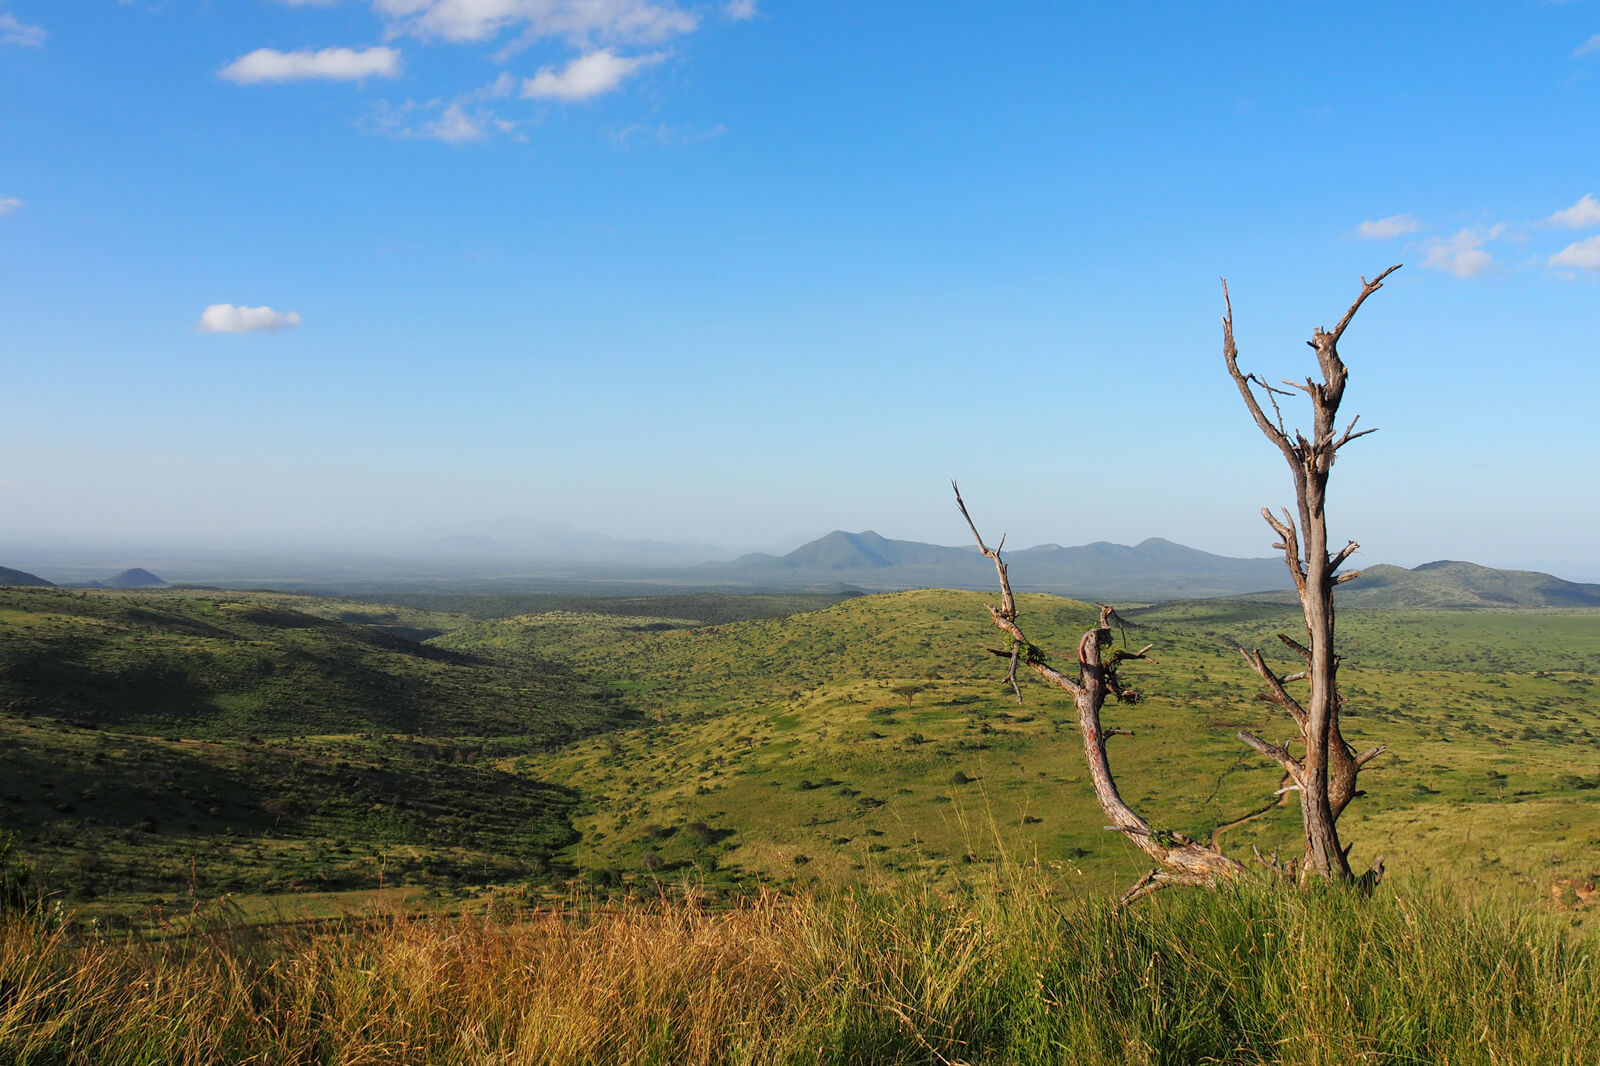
[352, 273]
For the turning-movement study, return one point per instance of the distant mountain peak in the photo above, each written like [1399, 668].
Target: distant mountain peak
[133, 578]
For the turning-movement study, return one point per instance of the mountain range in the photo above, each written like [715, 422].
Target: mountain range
[1151, 569]
[1154, 569]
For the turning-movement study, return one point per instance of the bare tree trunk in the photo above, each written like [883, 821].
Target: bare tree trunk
[1180, 859]
[1326, 772]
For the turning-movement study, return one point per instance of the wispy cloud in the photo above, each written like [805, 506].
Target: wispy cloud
[580, 21]
[588, 75]
[15, 31]
[226, 318]
[1461, 255]
[1591, 45]
[8, 204]
[459, 121]
[454, 126]
[1384, 228]
[1581, 215]
[1583, 255]
[739, 10]
[665, 134]
[337, 64]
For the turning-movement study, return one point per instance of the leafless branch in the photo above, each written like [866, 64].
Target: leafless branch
[1367, 289]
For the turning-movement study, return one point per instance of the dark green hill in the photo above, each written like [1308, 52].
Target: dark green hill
[242, 740]
[9, 576]
[228, 666]
[1454, 585]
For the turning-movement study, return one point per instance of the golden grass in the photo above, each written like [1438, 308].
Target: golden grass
[1003, 972]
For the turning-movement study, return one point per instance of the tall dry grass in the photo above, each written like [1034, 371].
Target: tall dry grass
[1002, 972]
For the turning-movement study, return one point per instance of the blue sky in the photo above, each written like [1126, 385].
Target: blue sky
[336, 270]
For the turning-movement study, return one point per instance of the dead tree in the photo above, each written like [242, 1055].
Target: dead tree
[1180, 859]
[1326, 770]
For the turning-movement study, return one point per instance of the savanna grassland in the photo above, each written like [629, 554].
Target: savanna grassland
[159, 745]
[782, 829]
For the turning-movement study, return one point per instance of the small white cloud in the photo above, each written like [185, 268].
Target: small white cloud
[1584, 255]
[1581, 215]
[1384, 228]
[588, 75]
[226, 318]
[15, 31]
[8, 204]
[339, 64]
[1461, 255]
[1591, 45]
[739, 10]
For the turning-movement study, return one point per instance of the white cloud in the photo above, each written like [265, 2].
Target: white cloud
[1384, 228]
[1461, 255]
[1581, 215]
[1584, 254]
[588, 75]
[14, 31]
[8, 204]
[580, 21]
[226, 318]
[739, 10]
[344, 64]
[1591, 45]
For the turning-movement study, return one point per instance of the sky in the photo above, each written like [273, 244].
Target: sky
[307, 272]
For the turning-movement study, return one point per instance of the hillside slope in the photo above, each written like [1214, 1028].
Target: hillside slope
[22, 578]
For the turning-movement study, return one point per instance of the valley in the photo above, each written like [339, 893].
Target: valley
[297, 753]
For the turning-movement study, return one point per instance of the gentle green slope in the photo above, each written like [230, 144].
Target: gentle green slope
[782, 747]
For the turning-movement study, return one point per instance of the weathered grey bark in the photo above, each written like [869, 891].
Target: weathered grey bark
[1326, 772]
[1180, 859]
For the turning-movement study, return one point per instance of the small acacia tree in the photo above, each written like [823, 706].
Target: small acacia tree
[1325, 771]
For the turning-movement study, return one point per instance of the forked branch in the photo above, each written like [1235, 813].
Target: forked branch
[1181, 860]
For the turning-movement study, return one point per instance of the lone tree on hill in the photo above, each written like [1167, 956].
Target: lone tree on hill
[1326, 770]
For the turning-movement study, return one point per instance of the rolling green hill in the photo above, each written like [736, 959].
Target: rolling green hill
[875, 735]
